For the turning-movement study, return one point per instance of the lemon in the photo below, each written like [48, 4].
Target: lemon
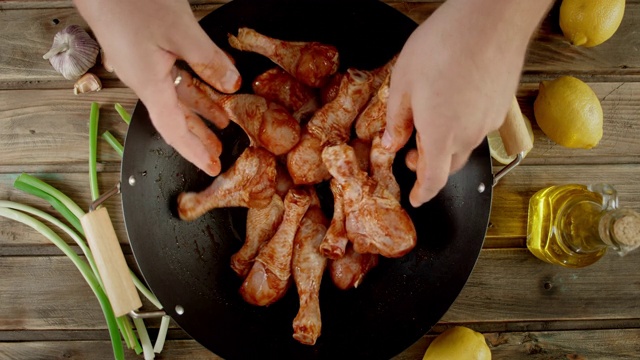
[496, 146]
[590, 22]
[569, 112]
[458, 343]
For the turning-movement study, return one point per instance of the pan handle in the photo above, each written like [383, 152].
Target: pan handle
[110, 261]
[513, 131]
[515, 138]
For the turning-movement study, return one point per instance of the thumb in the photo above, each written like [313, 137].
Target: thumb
[399, 120]
[207, 60]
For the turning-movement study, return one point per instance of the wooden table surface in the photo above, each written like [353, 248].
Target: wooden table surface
[526, 309]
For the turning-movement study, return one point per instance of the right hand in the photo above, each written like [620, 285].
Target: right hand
[142, 39]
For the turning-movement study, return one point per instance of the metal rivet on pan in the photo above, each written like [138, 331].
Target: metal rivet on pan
[132, 180]
[481, 188]
[179, 310]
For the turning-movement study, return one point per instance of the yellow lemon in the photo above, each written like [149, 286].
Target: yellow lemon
[458, 343]
[569, 112]
[496, 146]
[590, 22]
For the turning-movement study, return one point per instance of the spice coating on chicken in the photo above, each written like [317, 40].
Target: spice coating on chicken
[348, 271]
[329, 125]
[310, 62]
[304, 161]
[250, 182]
[266, 123]
[375, 224]
[335, 240]
[381, 170]
[373, 119]
[261, 226]
[332, 123]
[280, 87]
[270, 274]
[308, 266]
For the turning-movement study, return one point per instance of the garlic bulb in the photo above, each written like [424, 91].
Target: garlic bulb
[73, 52]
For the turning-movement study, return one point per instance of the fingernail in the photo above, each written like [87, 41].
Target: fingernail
[213, 167]
[387, 141]
[231, 81]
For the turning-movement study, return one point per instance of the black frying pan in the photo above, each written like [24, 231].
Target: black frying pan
[187, 264]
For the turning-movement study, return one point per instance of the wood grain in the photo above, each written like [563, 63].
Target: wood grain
[22, 66]
[592, 345]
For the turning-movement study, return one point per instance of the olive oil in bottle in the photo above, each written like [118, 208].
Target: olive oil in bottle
[574, 225]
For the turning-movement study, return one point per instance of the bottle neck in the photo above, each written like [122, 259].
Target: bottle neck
[619, 229]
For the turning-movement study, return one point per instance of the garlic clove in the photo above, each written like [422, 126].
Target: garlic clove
[87, 83]
[73, 52]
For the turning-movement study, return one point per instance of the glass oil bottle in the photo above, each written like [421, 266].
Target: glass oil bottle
[574, 225]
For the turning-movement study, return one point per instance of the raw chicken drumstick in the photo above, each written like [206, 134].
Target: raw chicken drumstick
[308, 265]
[348, 271]
[310, 62]
[376, 223]
[335, 240]
[372, 121]
[261, 226]
[279, 86]
[270, 274]
[381, 170]
[330, 125]
[267, 123]
[250, 182]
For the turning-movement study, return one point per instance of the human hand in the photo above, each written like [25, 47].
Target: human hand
[454, 80]
[142, 39]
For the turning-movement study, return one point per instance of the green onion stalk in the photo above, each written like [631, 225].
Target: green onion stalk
[123, 113]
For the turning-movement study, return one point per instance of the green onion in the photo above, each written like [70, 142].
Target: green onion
[147, 348]
[162, 334]
[62, 209]
[115, 144]
[93, 150]
[123, 113]
[82, 266]
[59, 195]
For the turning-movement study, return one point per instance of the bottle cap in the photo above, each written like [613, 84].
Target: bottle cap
[626, 231]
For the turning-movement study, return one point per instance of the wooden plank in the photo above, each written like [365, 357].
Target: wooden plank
[592, 345]
[533, 292]
[22, 66]
[30, 142]
[52, 127]
[98, 350]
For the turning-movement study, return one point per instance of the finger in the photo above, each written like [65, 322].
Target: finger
[205, 58]
[167, 117]
[399, 119]
[193, 94]
[432, 171]
[458, 161]
[411, 159]
[210, 141]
